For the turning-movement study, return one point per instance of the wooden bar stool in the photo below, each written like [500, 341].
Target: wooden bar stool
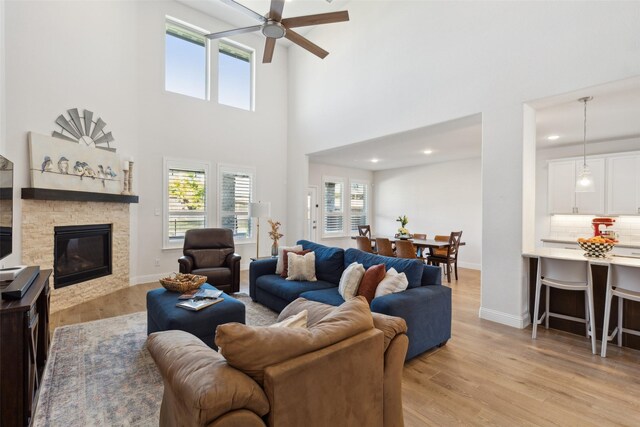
[569, 275]
[623, 282]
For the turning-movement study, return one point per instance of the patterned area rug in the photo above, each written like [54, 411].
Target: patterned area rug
[101, 374]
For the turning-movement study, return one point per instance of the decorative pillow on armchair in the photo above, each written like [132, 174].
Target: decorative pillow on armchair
[302, 267]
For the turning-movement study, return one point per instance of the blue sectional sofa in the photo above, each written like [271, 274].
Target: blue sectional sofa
[425, 305]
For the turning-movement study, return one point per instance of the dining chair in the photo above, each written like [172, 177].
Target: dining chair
[570, 275]
[623, 281]
[384, 247]
[364, 244]
[405, 249]
[364, 230]
[418, 236]
[450, 257]
[440, 251]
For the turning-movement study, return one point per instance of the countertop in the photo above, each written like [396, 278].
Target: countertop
[578, 255]
[574, 241]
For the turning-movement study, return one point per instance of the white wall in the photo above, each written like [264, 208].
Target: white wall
[3, 147]
[437, 199]
[316, 172]
[543, 219]
[108, 57]
[436, 61]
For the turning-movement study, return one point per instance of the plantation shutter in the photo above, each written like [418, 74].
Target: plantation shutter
[236, 189]
[187, 201]
[333, 207]
[359, 202]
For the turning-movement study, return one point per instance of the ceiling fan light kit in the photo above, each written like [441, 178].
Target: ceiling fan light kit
[273, 27]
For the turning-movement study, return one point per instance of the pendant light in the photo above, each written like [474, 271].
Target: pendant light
[584, 183]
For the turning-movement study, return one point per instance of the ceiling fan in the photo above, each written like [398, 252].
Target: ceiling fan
[274, 27]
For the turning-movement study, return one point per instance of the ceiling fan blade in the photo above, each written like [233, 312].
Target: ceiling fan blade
[229, 33]
[244, 10]
[269, 46]
[275, 11]
[321, 18]
[306, 44]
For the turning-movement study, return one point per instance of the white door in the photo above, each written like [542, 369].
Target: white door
[591, 203]
[311, 214]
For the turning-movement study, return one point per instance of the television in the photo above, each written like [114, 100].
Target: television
[6, 207]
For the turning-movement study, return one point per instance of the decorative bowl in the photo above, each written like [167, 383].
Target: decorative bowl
[596, 250]
[183, 282]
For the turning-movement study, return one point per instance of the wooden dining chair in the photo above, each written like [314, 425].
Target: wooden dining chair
[405, 249]
[384, 247]
[419, 236]
[364, 244]
[364, 230]
[440, 251]
[450, 258]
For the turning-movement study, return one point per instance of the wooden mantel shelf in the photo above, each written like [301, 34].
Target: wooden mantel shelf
[75, 196]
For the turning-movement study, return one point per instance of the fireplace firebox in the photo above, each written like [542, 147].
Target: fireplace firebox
[81, 253]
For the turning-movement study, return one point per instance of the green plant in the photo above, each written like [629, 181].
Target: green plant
[403, 220]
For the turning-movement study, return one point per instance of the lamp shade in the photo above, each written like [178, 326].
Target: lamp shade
[260, 209]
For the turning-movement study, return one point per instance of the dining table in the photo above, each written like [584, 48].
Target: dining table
[420, 244]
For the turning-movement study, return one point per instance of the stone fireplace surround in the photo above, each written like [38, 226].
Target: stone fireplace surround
[39, 217]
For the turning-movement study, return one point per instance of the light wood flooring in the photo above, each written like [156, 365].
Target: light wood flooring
[487, 374]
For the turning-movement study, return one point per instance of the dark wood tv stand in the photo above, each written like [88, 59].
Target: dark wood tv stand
[24, 348]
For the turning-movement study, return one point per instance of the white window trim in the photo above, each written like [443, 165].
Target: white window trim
[345, 231]
[175, 163]
[222, 167]
[367, 184]
[252, 51]
[207, 48]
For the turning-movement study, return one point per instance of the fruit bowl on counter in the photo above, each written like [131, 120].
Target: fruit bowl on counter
[597, 247]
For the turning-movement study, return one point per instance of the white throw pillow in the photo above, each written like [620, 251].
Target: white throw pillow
[302, 267]
[296, 321]
[392, 283]
[281, 249]
[350, 280]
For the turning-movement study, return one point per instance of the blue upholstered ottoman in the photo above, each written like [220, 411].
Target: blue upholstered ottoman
[163, 315]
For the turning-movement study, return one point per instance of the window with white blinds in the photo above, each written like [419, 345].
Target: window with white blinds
[333, 206]
[235, 193]
[186, 201]
[359, 204]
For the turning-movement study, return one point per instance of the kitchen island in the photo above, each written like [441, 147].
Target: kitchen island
[571, 303]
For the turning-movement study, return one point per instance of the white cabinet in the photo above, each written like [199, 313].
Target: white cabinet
[563, 198]
[623, 186]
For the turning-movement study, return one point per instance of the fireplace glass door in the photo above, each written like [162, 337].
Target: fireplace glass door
[81, 253]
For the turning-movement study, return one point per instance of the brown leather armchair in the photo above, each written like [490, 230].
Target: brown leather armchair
[211, 252]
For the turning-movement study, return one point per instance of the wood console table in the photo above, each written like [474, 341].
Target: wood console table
[24, 348]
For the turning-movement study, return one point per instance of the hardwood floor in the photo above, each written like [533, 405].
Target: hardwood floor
[487, 374]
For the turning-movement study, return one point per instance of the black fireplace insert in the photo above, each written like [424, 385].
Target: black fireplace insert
[81, 253]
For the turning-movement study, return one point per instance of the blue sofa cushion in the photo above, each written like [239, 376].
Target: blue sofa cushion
[289, 289]
[329, 261]
[328, 296]
[412, 268]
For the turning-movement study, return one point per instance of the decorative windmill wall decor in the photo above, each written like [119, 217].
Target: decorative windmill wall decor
[82, 129]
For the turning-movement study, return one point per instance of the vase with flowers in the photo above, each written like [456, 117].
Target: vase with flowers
[275, 235]
[403, 232]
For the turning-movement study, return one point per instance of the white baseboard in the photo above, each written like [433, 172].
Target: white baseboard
[137, 280]
[470, 265]
[519, 322]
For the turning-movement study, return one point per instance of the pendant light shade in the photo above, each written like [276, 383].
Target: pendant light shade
[584, 182]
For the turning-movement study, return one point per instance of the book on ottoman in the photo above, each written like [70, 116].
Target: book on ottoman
[198, 304]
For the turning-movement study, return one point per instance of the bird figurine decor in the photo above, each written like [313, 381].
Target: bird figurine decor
[46, 165]
[100, 174]
[110, 173]
[78, 169]
[63, 165]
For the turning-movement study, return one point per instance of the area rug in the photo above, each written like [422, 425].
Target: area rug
[101, 374]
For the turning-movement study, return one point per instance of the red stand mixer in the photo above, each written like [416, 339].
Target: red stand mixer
[597, 223]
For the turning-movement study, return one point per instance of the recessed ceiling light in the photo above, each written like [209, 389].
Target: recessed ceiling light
[428, 151]
[375, 160]
[553, 137]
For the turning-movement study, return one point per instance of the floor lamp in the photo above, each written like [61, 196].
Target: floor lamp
[259, 210]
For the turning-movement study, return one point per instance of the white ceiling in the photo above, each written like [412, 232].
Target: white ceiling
[453, 140]
[614, 113]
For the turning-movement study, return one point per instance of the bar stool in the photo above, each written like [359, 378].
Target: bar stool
[364, 244]
[571, 275]
[623, 281]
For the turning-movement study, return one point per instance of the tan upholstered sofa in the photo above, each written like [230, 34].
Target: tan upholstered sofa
[355, 379]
